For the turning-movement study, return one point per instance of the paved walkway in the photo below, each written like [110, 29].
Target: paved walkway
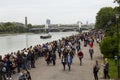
[84, 72]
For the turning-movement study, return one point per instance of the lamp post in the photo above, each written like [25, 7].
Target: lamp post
[117, 17]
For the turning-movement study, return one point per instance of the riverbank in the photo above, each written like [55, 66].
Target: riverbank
[10, 34]
[13, 34]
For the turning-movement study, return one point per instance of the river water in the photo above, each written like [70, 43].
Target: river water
[13, 42]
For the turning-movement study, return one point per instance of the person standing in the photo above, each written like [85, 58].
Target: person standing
[32, 59]
[80, 56]
[2, 74]
[95, 70]
[8, 68]
[29, 60]
[106, 69]
[19, 61]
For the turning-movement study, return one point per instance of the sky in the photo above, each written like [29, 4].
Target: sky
[58, 11]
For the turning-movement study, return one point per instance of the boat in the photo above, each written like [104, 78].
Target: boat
[45, 36]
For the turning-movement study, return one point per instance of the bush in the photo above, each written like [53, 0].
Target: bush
[108, 46]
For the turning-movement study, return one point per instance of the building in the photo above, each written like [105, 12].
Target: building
[25, 21]
[48, 22]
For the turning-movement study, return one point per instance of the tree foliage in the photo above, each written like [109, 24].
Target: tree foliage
[107, 21]
[105, 18]
[108, 46]
[12, 28]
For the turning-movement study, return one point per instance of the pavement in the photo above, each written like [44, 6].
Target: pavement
[84, 72]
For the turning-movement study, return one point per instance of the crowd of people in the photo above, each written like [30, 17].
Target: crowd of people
[24, 60]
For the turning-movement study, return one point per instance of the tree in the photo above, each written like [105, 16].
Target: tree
[105, 18]
[108, 46]
[8, 24]
[9, 27]
[29, 25]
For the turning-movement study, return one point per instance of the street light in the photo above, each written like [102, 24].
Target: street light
[117, 17]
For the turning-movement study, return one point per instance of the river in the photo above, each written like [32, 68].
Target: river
[13, 42]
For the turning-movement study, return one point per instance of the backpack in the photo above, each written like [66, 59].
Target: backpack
[2, 67]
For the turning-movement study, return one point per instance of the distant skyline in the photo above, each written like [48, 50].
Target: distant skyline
[58, 11]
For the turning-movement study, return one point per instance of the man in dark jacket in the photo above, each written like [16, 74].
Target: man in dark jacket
[32, 59]
[53, 56]
[95, 70]
[8, 67]
[91, 51]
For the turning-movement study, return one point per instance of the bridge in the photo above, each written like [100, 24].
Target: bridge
[59, 29]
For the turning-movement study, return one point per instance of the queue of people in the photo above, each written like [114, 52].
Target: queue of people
[66, 48]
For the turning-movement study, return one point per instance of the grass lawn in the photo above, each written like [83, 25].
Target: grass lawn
[113, 69]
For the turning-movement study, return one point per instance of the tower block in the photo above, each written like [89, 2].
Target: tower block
[26, 22]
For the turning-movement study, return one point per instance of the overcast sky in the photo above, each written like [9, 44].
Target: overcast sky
[58, 11]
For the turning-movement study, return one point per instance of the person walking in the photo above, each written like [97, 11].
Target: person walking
[80, 56]
[95, 70]
[63, 60]
[69, 58]
[53, 56]
[91, 44]
[47, 58]
[106, 69]
[91, 51]
[59, 52]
